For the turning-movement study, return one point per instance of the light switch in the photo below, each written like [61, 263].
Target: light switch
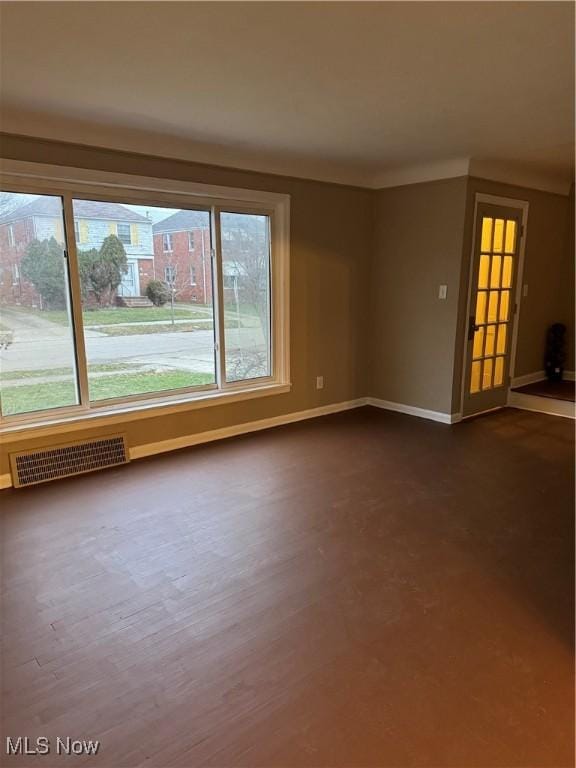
[442, 291]
[525, 289]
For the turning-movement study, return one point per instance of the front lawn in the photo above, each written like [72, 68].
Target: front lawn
[58, 394]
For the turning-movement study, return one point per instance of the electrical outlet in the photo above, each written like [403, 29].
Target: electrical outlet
[442, 291]
[319, 382]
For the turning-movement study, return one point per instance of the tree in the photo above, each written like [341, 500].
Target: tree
[43, 266]
[176, 282]
[101, 271]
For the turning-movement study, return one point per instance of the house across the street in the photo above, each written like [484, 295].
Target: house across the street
[41, 219]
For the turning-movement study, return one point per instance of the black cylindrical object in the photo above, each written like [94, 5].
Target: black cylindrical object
[555, 352]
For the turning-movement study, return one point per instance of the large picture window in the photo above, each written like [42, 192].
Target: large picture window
[120, 298]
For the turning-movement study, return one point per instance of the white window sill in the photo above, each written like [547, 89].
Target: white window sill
[126, 412]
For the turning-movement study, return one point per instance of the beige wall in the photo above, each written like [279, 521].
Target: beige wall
[422, 239]
[331, 244]
[419, 244]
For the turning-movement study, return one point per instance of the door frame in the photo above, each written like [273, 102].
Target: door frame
[508, 202]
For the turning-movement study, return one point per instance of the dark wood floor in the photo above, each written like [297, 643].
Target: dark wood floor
[558, 390]
[365, 589]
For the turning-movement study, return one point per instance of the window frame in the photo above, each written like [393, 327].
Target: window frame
[74, 183]
[124, 224]
[167, 239]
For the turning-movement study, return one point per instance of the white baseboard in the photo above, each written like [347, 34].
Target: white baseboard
[412, 410]
[547, 405]
[532, 378]
[185, 441]
[150, 449]
[528, 378]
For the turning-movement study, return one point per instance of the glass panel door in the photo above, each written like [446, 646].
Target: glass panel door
[492, 307]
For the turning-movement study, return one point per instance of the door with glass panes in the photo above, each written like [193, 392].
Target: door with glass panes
[492, 308]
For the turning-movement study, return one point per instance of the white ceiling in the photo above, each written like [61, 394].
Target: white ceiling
[342, 91]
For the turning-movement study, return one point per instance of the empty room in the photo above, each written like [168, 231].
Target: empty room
[287, 354]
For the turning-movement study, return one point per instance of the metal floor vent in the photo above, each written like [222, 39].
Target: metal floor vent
[41, 465]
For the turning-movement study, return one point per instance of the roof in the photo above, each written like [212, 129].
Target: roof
[183, 221]
[85, 209]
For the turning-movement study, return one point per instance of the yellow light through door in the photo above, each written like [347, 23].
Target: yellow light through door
[475, 376]
[486, 234]
[487, 374]
[483, 271]
[510, 236]
[498, 235]
[493, 307]
[481, 307]
[501, 343]
[504, 304]
[495, 272]
[478, 348]
[498, 371]
[490, 340]
[507, 272]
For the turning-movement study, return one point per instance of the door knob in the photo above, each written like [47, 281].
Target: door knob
[472, 327]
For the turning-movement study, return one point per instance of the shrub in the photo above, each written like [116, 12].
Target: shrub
[158, 292]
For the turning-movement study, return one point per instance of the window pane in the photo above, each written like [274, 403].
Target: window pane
[478, 347]
[490, 337]
[507, 272]
[493, 306]
[495, 272]
[475, 376]
[498, 371]
[504, 304]
[486, 233]
[481, 307]
[147, 328]
[37, 359]
[498, 235]
[246, 288]
[501, 345]
[510, 236]
[483, 271]
[487, 374]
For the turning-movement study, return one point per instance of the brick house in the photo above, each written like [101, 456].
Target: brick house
[41, 219]
[182, 255]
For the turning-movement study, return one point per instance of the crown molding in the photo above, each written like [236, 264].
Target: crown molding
[417, 174]
[94, 137]
[518, 175]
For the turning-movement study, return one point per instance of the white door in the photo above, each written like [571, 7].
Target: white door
[130, 284]
[493, 307]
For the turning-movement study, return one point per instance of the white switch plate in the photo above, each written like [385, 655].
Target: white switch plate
[319, 382]
[442, 291]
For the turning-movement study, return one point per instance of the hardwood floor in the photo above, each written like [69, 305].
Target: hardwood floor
[364, 589]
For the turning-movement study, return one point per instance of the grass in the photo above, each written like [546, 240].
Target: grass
[123, 315]
[59, 394]
[50, 372]
[143, 329]
[118, 315]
